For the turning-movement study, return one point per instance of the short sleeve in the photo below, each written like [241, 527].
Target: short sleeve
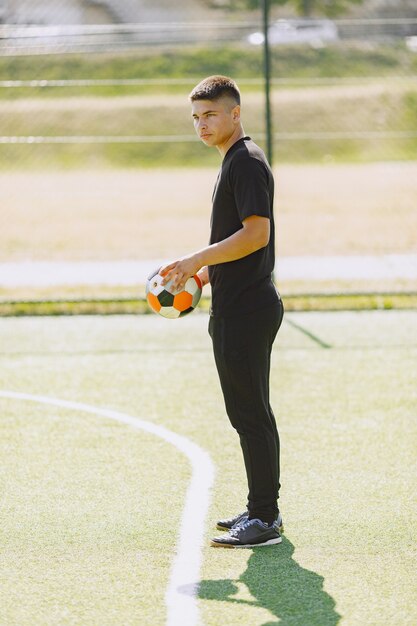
[249, 180]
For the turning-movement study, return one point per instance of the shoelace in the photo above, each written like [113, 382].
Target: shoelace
[234, 531]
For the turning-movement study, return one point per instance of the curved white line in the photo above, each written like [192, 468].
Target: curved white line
[182, 589]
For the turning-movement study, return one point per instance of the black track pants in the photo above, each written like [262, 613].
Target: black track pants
[242, 351]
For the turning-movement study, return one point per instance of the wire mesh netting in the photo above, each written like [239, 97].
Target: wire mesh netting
[99, 161]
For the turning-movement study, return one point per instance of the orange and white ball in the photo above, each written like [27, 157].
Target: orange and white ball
[172, 303]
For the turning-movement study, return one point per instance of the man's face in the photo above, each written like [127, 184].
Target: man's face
[215, 120]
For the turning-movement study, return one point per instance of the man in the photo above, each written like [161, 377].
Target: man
[246, 310]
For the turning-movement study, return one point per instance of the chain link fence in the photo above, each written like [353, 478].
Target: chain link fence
[101, 86]
[343, 90]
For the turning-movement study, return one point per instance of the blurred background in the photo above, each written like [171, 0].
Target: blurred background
[102, 176]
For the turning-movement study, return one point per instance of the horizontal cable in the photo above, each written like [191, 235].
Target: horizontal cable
[93, 139]
[130, 27]
[103, 139]
[366, 134]
[30, 30]
[14, 37]
[9, 47]
[110, 82]
[377, 21]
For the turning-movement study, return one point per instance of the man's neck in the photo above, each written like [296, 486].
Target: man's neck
[239, 133]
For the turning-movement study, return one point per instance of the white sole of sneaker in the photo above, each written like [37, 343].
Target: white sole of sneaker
[270, 542]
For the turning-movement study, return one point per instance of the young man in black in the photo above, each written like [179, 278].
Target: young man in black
[246, 310]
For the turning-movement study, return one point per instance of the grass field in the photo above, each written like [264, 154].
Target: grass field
[344, 60]
[90, 508]
[366, 92]
[384, 105]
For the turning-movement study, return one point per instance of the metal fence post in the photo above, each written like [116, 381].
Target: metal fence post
[267, 80]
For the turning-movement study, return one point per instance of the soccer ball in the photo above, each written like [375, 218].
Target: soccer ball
[169, 302]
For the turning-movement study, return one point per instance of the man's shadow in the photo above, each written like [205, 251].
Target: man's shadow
[279, 584]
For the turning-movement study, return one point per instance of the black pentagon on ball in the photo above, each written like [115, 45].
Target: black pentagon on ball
[166, 298]
[191, 308]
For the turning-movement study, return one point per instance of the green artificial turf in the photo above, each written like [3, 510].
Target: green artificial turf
[295, 302]
[90, 508]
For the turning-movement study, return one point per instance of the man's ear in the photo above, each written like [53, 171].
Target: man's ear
[236, 113]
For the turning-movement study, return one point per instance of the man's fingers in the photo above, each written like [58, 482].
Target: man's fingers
[177, 279]
[166, 277]
[165, 269]
[168, 271]
[176, 273]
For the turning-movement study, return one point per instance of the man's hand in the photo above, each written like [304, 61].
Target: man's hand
[180, 271]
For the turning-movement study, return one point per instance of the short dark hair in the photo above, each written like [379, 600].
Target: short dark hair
[214, 88]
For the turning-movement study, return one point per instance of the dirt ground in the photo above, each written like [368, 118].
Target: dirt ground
[105, 215]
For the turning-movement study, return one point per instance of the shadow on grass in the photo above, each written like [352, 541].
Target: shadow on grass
[279, 584]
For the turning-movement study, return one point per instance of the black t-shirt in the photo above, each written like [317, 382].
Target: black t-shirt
[244, 187]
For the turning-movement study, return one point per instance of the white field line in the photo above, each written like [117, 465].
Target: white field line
[181, 594]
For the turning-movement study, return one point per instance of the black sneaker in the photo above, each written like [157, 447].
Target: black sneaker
[227, 524]
[233, 522]
[251, 533]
